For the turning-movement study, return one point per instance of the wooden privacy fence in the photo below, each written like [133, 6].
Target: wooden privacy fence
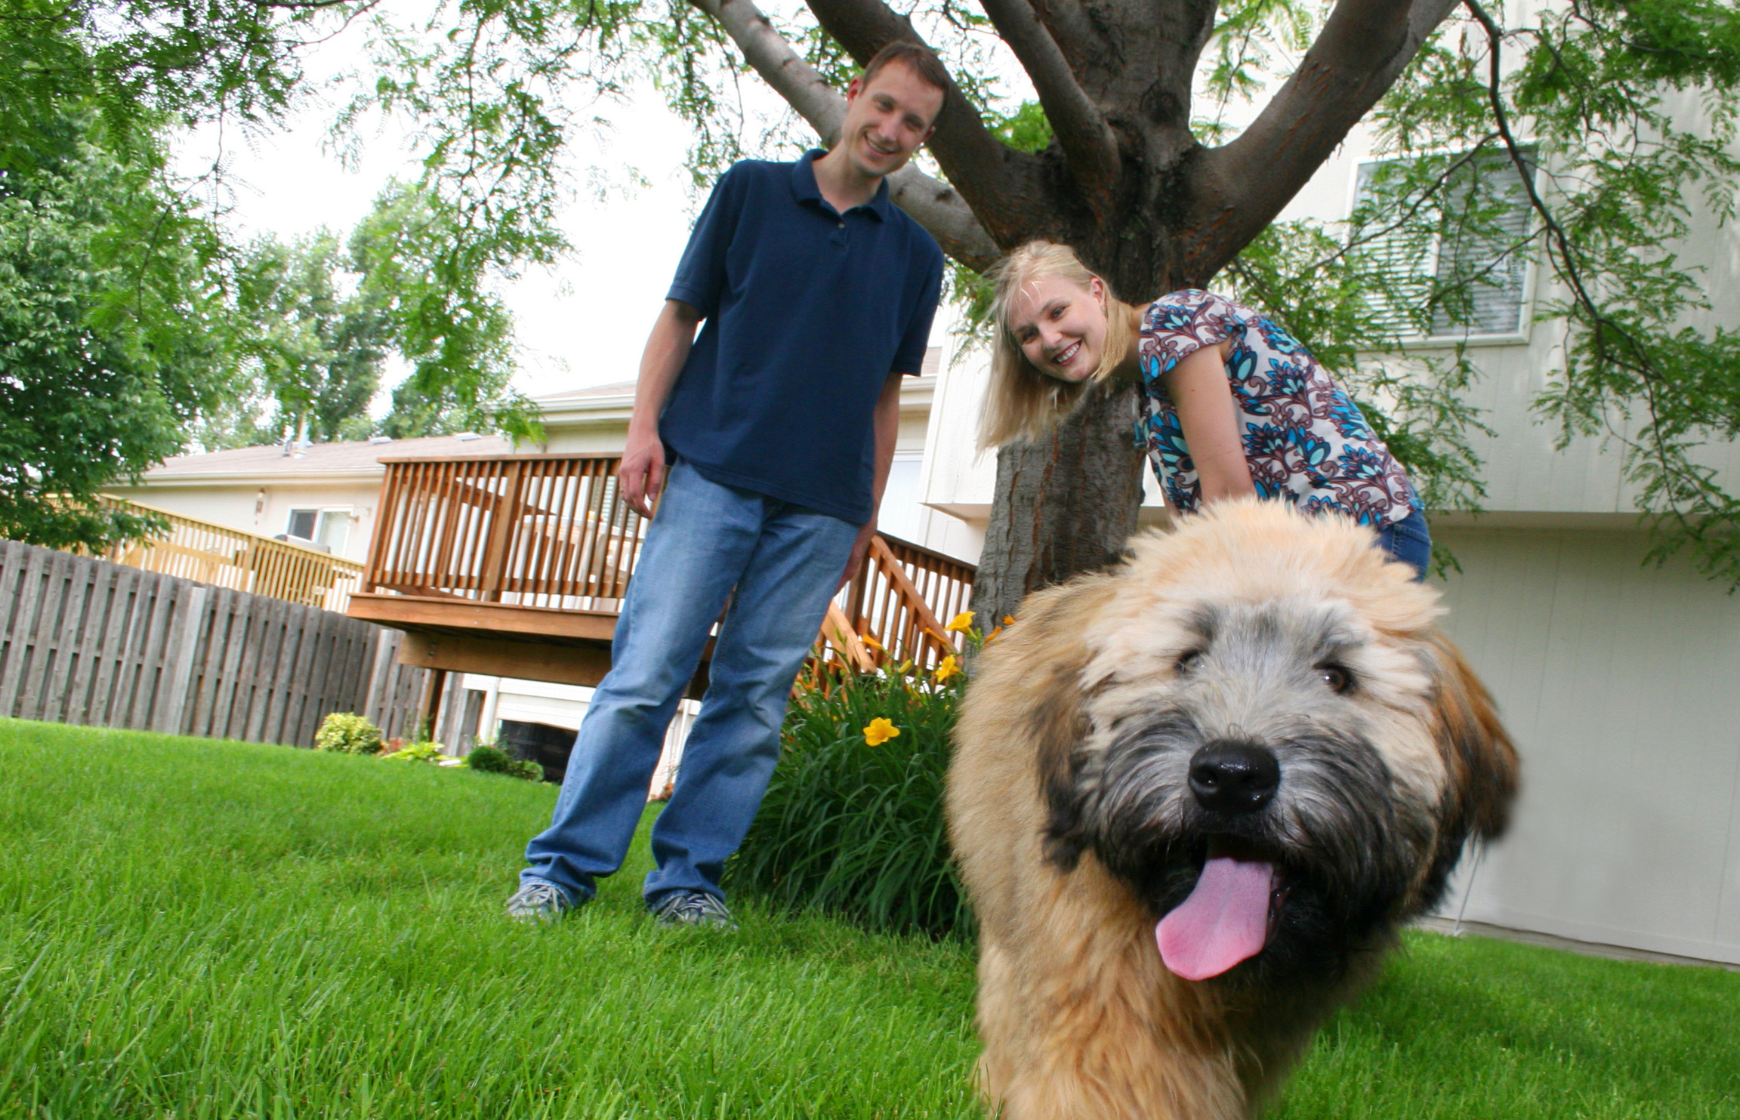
[87, 641]
[209, 553]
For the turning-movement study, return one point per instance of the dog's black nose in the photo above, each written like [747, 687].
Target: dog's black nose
[1234, 777]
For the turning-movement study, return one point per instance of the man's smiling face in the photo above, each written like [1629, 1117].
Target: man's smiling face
[887, 119]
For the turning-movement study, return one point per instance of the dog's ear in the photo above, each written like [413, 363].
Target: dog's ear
[1478, 753]
[1057, 726]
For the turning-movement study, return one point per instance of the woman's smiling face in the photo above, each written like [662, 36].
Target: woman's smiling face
[1060, 326]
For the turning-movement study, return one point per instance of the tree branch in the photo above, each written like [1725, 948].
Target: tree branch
[1090, 148]
[1072, 29]
[1004, 187]
[1238, 188]
[935, 205]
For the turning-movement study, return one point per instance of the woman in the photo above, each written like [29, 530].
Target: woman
[1232, 405]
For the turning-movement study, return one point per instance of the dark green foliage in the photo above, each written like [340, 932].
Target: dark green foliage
[486, 759]
[856, 829]
[111, 329]
[313, 355]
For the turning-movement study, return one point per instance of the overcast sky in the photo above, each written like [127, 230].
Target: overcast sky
[582, 323]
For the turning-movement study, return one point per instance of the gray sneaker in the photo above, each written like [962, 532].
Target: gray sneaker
[537, 902]
[692, 908]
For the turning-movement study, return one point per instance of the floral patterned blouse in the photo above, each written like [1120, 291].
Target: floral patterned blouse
[1304, 438]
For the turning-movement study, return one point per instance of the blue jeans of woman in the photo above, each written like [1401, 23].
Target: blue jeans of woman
[784, 562]
[1409, 541]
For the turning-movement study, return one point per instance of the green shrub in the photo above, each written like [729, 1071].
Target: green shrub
[853, 825]
[421, 751]
[493, 760]
[489, 760]
[347, 732]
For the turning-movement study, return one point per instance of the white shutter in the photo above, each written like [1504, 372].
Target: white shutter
[1494, 259]
[1408, 276]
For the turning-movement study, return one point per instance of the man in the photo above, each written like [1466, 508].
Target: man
[764, 444]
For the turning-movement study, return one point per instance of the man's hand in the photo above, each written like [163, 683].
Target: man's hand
[642, 473]
[860, 548]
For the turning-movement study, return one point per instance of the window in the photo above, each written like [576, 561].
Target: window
[1471, 240]
[329, 528]
[302, 523]
[334, 529]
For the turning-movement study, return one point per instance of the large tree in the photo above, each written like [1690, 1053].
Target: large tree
[1156, 196]
[1617, 118]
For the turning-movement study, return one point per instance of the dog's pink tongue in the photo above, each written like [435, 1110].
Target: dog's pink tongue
[1224, 921]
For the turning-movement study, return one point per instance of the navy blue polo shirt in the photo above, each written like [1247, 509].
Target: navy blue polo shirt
[807, 313]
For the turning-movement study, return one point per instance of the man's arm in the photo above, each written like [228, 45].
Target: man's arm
[642, 473]
[887, 429]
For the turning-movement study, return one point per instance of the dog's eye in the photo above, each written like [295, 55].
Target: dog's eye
[1337, 678]
[1188, 661]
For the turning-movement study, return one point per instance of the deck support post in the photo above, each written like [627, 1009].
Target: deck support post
[431, 703]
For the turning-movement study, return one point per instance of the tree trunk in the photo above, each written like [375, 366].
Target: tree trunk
[1064, 506]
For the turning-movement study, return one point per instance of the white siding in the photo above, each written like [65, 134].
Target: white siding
[1621, 686]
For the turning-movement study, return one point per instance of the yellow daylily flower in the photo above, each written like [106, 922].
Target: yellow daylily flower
[947, 669]
[989, 638]
[880, 731]
[904, 667]
[962, 621]
[872, 643]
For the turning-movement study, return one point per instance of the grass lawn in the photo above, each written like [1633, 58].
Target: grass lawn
[203, 929]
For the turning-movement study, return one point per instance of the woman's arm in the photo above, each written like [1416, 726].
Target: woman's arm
[1209, 417]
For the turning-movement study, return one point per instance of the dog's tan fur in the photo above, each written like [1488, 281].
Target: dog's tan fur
[1079, 1017]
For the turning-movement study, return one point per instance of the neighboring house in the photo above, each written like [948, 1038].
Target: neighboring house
[322, 494]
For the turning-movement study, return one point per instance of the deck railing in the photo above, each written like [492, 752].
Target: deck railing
[904, 596]
[520, 530]
[205, 552]
[553, 531]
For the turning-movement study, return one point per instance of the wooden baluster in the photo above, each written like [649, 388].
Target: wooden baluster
[383, 528]
[500, 530]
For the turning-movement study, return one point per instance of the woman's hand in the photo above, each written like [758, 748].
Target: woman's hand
[1209, 416]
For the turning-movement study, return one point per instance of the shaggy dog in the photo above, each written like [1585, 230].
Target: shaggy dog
[1194, 797]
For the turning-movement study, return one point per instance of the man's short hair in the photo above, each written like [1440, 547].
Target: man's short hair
[920, 58]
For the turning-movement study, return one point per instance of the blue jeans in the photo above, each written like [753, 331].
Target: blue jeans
[1409, 541]
[785, 562]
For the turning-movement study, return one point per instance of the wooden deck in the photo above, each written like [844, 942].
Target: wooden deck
[207, 552]
[516, 565]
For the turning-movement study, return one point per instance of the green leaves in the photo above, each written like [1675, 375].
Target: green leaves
[108, 328]
[855, 828]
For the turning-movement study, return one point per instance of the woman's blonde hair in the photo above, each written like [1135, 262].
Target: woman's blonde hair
[1020, 401]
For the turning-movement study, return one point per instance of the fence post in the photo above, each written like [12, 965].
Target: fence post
[188, 624]
[385, 647]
